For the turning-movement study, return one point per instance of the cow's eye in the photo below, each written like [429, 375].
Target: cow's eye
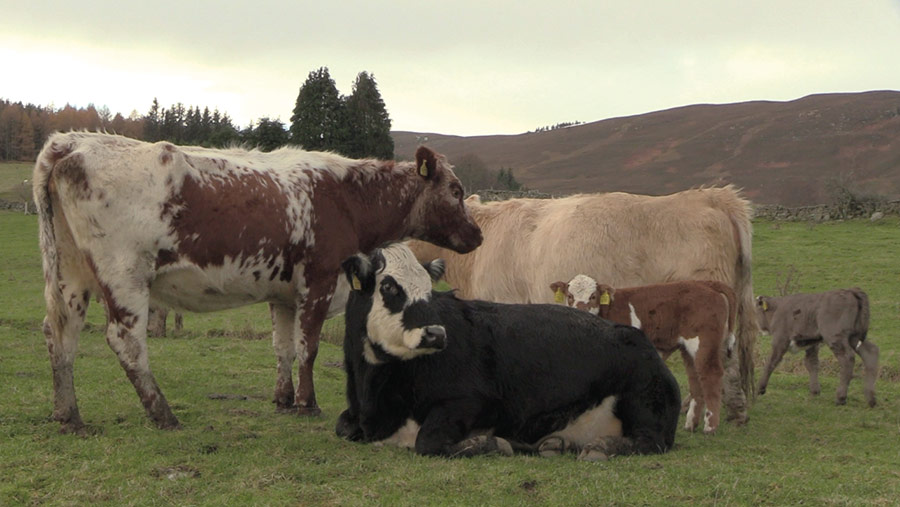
[456, 192]
[593, 297]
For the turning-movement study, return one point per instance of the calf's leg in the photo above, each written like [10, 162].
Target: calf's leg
[779, 347]
[696, 400]
[812, 366]
[868, 351]
[845, 358]
[710, 371]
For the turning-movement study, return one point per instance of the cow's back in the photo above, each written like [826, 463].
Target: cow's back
[623, 239]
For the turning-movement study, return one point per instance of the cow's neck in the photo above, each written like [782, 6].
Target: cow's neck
[379, 202]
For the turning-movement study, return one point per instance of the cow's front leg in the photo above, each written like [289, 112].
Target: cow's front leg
[444, 432]
[348, 426]
[283, 321]
[811, 361]
[779, 347]
[309, 318]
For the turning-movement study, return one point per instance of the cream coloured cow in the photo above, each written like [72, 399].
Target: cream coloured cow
[624, 239]
[200, 229]
[694, 317]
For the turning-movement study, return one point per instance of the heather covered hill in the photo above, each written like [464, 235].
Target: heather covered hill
[779, 152]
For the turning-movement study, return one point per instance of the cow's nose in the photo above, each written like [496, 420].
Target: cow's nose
[434, 337]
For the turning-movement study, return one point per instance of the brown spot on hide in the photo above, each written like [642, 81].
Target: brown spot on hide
[114, 312]
[234, 215]
[165, 257]
[71, 170]
[165, 157]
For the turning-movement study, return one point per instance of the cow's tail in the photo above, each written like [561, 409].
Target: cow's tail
[862, 315]
[740, 213]
[57, 147]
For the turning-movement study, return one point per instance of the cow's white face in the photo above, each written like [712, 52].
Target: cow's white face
[400, 321]
[580, 292]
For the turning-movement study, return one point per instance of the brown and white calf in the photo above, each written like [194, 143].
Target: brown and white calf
[694, 317]
[838, 318]
[202, 229]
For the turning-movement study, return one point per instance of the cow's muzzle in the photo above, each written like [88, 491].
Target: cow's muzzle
[433, 337]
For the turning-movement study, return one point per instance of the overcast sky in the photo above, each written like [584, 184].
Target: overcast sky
[453, 67]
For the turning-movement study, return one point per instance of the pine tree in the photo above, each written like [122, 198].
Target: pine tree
[318, 119]
[152, 123]
[368, 122]
[268, 134]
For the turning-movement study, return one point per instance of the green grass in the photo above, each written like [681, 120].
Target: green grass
[11, 176]
[795, 449]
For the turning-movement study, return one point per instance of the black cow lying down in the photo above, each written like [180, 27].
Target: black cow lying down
[472, 377]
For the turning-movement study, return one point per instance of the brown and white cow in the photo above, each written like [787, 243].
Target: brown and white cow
[694, 317]
[624, 239]
[839, 318]
[201, 229]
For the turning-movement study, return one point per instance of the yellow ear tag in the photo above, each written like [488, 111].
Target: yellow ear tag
[423, 169]
[355, 282]
[765, 306]
[604, 298]
[559, 296]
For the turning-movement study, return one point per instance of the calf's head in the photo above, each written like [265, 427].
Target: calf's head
[765, 307]
[583, 293]
[440, 215]
[400, 322]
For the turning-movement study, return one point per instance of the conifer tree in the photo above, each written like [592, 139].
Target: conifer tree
[368, 122]
[318, 120]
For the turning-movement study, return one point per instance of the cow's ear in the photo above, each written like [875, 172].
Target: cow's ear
[559, 291]
[606, 293]
[435, 268]
[358, 270]
[473, 199]
[426, 162]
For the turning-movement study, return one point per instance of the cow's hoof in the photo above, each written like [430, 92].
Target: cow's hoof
[554, 446]
[709, 431]
[739, 419]
[280, 409]
[689, 426]
[309, 411]
[593, 452]
[504, 447]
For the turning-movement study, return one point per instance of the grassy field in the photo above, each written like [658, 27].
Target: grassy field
[11, 176]
[234, 449]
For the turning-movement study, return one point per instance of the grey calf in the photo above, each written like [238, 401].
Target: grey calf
[839, 318]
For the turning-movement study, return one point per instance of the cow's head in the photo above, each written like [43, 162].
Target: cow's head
[400, 323]
[439, 215]
[765, 307]
[583, 293]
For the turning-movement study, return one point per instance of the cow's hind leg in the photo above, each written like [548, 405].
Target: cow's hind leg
[868, 351]
[127, 309]
[66, 308]
[845, 358]
[811, 361]
[283, 322]
[710, 372]
[696, 400]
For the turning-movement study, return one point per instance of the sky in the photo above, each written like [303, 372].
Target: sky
[456, 67]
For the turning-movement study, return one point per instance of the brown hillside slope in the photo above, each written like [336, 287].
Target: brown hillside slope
[779, 152]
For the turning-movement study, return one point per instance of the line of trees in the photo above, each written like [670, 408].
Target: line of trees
[356, 125]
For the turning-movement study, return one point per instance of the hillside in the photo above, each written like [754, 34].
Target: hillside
[779, 152]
